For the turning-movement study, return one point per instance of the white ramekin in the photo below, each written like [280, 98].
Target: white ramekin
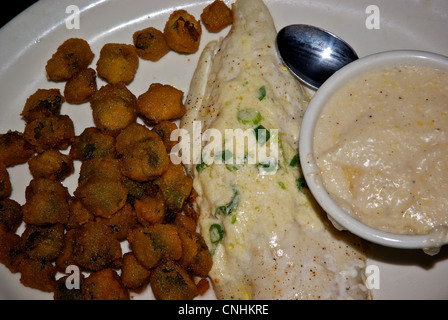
[339, 217]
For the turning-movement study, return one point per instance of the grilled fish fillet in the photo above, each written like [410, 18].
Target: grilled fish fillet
[268, 237]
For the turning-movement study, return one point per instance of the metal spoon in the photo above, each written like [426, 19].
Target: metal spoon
[312, 54]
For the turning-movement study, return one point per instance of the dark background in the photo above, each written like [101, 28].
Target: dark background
[13, 9]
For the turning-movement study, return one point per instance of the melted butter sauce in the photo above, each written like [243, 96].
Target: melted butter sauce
[381, 144]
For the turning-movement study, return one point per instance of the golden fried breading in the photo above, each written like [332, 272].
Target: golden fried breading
[38, 275]
[151, 244]
[46, 202]
[145, 160]
[183, 32]
[44, 185]
[92, 143]
[216, 16]
[196, 258]
[66, 258]
[150, 44]
[161, 102]
[94, 247]
[43, 243]
[150, 210]
[133, 133]
[133, 275]
[113, 108]
[100, 167]
[10, 214]
[104, 285]
[11, 254]
[169, 281]
[102, 196]
[121, 222]
[164, 130]
[118, 62]
[5, 182]
[70, 57]
[136, 190]
[51, 164]
[63, 292]
[79, 88]
[14, 149]
[175, 187]
[54, 132]
[78, 214]
[41, 104]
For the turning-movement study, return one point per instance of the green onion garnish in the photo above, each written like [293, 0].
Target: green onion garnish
[216, 233]
[249, 116]
[261, 93]
[262, 134]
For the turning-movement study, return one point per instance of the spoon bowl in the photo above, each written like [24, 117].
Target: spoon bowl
[312, 54]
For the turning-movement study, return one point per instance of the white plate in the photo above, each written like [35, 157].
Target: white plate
[29, 40]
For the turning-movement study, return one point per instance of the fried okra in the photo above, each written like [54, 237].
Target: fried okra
[151, 244]
[100, 167]
[67, 291]
[169, 281]
[92, 143]
[78, 214]
[37, 274]
[121, 222]
[104, 285]
[51, 164]
[70, 57]
[216, 16]
[132, 134]
[175, 187]
[161, 102]
[136, 190]
[14, 149]
[150, 44]
[79, 88]
[5, 182]
[150, 210]
[54, 132]
[133, 275]
[41, 104]
[43, 243]
[46, 202]
[118, 62]
[102, 196]
[11, 253]
[164, 130]
[10, 214]
[183, 32]
[94, 247]
[113, 108]
[145, 160]
[196, 258]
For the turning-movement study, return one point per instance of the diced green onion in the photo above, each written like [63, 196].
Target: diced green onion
[249, 116]
[216, 233]
[282, 185]
[201, 166]
[261, 93]
[224, 155]
[231, 206]
[268, 166]
[232, 167]
[301, 183]
[295, 161]
[262, 134]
